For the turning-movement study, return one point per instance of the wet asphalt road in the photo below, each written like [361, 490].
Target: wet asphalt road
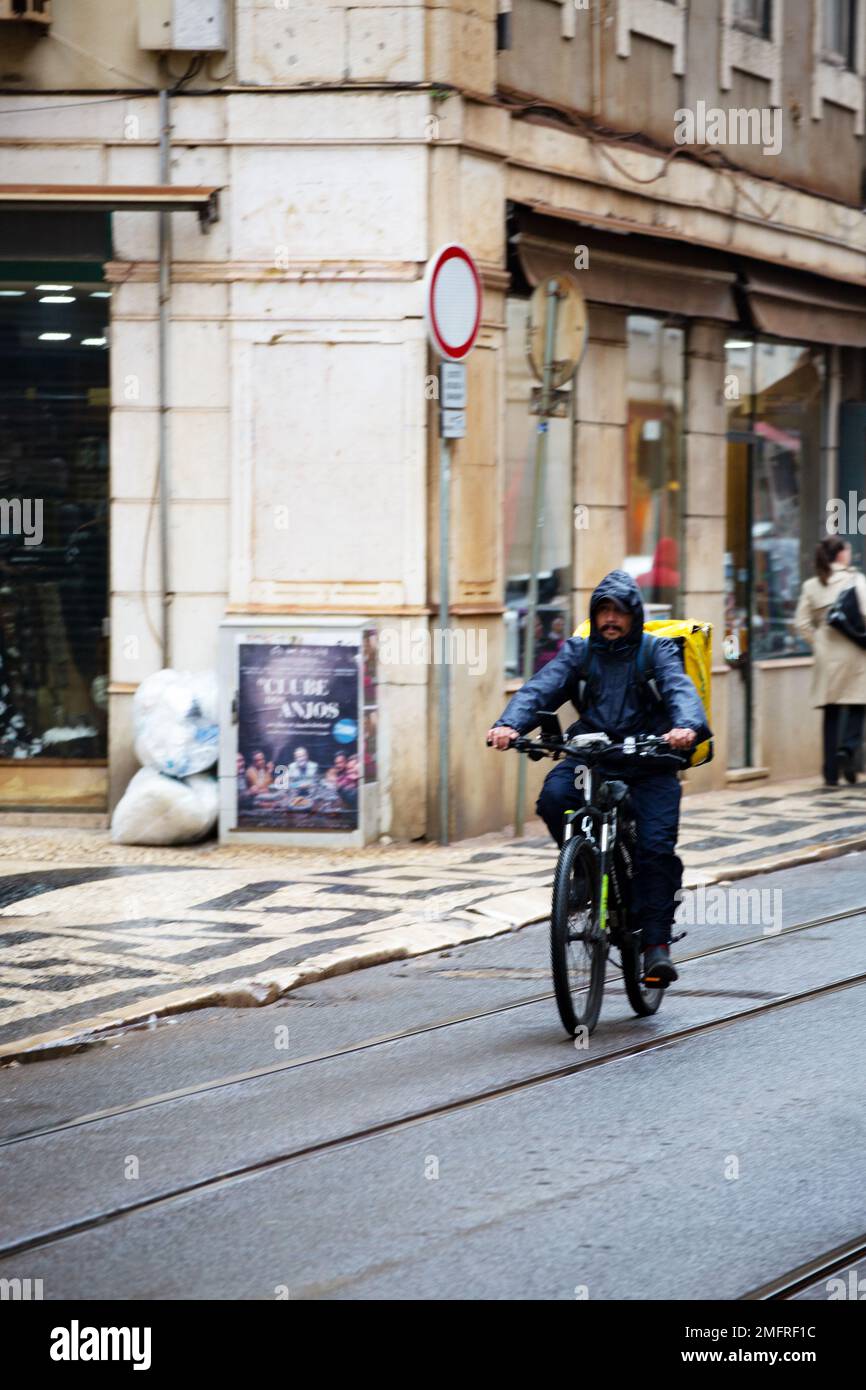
[699, 1168]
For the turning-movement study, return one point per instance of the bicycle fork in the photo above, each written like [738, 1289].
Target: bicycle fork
[603, 845]
[608, 840]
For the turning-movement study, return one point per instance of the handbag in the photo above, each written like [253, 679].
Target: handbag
[845, 616]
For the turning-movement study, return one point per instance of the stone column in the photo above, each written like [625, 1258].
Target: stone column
[830, 433]
[599, 455]
[704, 523]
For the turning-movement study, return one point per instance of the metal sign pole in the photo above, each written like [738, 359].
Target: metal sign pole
[444, 671]
[537, 520]
[452, 425]
[452, 312]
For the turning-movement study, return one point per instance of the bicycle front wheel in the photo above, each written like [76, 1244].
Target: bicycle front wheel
[578, 947]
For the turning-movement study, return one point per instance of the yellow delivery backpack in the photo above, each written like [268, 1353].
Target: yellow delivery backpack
[695, 644]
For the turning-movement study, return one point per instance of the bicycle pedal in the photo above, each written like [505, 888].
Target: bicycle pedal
[662, 976]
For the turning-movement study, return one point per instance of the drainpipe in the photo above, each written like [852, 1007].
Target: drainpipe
[596, 64]
[164, 302]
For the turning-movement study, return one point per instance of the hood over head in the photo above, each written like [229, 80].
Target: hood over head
[622, 589]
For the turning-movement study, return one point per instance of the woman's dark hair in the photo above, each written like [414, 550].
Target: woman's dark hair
[825, 553]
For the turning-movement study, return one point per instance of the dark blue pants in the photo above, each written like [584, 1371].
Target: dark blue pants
[658, 871]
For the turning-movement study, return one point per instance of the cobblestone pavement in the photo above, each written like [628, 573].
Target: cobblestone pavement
[96, 935]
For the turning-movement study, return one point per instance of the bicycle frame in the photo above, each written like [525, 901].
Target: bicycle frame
[593, 831]
[593, 819]
[599, 826]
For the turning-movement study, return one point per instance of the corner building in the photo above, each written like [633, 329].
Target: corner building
[278, 377]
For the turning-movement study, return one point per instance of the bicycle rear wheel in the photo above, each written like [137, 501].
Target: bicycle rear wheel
[644, 1000]
[578, 948]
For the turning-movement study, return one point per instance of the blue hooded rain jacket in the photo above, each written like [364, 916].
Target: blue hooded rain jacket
[614, 701]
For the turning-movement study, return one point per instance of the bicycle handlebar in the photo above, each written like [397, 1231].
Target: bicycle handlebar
[595, 747]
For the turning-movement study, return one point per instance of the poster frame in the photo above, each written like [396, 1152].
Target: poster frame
[239, 631]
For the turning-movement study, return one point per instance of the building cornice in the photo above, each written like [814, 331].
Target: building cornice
[291, 272]
[678, 197]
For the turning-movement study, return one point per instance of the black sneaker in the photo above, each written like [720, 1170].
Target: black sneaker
[658, 968]
[846, 765]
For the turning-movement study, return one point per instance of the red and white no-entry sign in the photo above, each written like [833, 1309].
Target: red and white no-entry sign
[452, 302]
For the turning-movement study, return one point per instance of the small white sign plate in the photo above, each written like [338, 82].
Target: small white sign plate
[452, 385]
[452, 424]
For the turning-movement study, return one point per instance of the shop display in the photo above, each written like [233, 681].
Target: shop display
[53, 534]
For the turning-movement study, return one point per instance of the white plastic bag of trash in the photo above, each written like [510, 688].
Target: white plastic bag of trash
[160, 810]
[176, 721]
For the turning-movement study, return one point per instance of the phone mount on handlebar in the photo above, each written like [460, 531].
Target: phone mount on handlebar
[549, 724]
[551, 732]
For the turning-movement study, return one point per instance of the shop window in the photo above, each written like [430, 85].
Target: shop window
[553, 623]
[775, 423]
[654, 460]
[54, 407]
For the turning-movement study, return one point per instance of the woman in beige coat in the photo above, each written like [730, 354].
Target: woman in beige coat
[839, 672]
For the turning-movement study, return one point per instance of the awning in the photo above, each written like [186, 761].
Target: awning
[42, 197]
[806, 308]
[638, 271]
[671, 279]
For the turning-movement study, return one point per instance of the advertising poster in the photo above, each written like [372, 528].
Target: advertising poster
[298, 761]
[371, 714]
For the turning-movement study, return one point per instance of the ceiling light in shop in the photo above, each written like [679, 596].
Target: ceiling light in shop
[93, 342]
[61, 288]
[57, 299]
[54, 337]
[100, 294]
[11, 294]
[735, 344]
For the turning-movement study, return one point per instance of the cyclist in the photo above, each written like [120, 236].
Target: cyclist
[618, 703]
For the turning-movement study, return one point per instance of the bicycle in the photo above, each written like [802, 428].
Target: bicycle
[591, 886]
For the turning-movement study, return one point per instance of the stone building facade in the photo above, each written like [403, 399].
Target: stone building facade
[346, 143]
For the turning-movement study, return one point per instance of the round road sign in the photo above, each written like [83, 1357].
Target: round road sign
[571, 328]
[452, 302]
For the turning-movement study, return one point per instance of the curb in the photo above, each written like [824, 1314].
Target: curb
[791, 861]
[266, 989]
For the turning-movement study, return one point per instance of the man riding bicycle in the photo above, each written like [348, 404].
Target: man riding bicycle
[617, 702]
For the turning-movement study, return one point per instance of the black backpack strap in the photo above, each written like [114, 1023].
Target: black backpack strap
[646, 680]
[645, 661]
[585, 673]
